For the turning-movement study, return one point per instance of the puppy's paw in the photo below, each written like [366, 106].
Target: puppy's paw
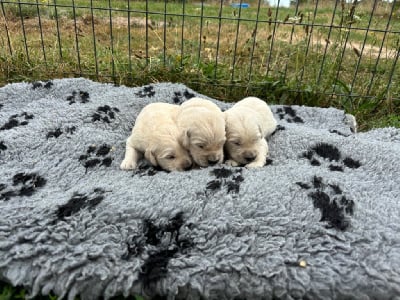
[255, 164]
[231, 163]
[128, 164]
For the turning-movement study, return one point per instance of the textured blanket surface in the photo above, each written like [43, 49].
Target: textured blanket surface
[320, 221]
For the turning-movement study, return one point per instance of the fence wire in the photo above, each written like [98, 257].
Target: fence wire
[336, 49]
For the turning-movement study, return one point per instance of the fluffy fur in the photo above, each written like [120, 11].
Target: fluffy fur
[156, 136]
[248, 123]
[203, 131]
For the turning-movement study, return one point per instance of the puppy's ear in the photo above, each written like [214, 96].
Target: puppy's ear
[184, 139]
[149, 154]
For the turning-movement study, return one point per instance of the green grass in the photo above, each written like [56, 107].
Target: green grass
[300, 70]
[8, 292]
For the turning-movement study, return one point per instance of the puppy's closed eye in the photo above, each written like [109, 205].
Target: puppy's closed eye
[201, 146]
[235, 142]
[170, 155]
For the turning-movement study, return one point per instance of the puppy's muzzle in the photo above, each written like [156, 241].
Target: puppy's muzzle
[212, 161]
[249, 157]
[187, 166]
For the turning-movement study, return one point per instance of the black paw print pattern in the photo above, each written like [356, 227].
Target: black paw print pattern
[24, 184]
[38, 84]
[78, 202]
[335, 208]
[225, 178]
[145, 169]
[331, 153]
[278, 128]
[3, 147]
[146, 91]
[58, 131]
[78, 96]
[162, 241]
[268, 161]
[105, 113]
[96, 156]
[180, 97]
[289, 114]
[17, 120]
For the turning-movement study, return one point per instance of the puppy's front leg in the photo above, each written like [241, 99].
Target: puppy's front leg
[131, 159]
[232, 163]
[261, 157]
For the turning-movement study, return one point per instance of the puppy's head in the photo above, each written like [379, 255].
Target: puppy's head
[243, 137]
[203, 134]
[169, 156]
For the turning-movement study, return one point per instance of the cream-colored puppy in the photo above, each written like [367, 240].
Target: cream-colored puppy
[156, 136]
[203, 131]
[248, 123]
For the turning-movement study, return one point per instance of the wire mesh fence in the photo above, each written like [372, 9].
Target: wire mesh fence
[342, 51]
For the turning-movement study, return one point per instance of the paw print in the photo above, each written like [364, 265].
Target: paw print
[38, 84]
[268, 161]
[331, 153]
[96, 156]
[289, 115]
[145, 169]
[17, 120]
[162, 240]
[80, 96]
[329, 199]
[146, 91]
[58, 131]
[179, 98]
[278, 128]
[24, 184]
[105, 113]
[3, 146]
[79, 202]
[225, 178]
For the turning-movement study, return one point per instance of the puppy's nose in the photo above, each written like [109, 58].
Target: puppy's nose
[250, 157]
[212, 161]
[188, 166]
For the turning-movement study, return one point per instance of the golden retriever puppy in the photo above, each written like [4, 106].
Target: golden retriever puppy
[248, 123]
[203, 131]
[156, 136]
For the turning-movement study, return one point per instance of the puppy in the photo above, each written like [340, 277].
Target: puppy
[203, 131]
[156, 136]
[248, 122]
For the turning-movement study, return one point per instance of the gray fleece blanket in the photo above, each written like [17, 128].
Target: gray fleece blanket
[320, 221]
